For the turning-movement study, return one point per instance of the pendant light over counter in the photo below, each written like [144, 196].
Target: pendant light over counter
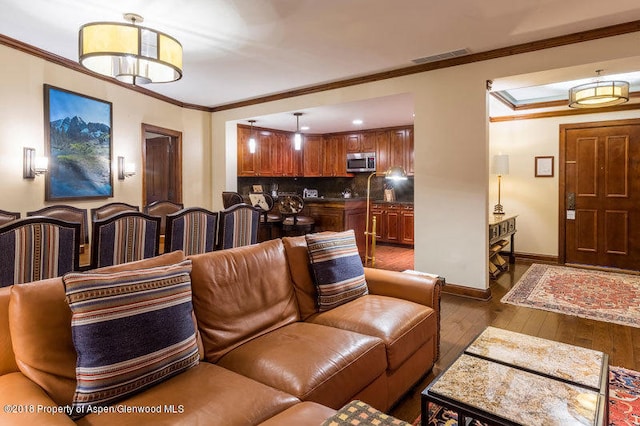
[297, 138]
[252, 139]
[130, 53]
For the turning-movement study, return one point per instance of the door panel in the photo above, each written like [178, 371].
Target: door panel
[601, 163]
[162, 164]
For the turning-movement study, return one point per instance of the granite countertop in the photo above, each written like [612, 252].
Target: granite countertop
[333, 199]
[409, 203]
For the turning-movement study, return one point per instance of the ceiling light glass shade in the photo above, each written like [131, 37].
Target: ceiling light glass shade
[396, 173]
[130, 53]
[297, 141]
[252, 146]
[599, 94]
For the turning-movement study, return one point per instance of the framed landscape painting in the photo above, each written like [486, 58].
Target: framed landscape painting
[78, 142]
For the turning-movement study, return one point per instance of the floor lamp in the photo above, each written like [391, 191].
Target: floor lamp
[393, 173]
[499, 166]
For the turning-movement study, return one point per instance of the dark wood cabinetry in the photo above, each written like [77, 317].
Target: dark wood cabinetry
[335, 154]
[312, 155]
[394, 222]
[321, 155]
[339, 216]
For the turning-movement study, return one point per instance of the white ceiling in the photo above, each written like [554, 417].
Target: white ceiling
[237, 50]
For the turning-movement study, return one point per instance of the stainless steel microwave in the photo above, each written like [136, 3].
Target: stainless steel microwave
[361, 162]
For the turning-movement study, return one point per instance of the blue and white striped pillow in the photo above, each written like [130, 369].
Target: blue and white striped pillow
[337, 268]
[131, 330]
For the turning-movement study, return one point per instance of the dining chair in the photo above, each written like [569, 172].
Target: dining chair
[38, 247]
[7, 217]
[162, 208]
[110, 209]
[238, 226]
[68, 214]
[124, 237]
[192, 230]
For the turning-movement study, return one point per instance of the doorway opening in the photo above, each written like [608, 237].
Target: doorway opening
[161, 164]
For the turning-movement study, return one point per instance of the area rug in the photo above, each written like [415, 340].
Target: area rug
[602, 296]
[624, 402]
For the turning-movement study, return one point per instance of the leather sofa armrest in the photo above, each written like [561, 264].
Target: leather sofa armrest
[26, 403]
[415, 288]
[420, 289]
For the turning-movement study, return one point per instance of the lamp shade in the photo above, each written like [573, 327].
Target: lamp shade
[130, 53]
[599, 94]
[500, 164]
[396, 173]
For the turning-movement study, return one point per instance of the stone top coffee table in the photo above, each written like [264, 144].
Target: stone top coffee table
[509, 378]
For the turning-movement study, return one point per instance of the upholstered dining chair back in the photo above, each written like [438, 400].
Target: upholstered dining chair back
[162, 208]
[6, 217]
[238, 226]
[124, 237]
[110, 209]
[192, 230]
[38, 247]
[68, 214]
[230, 198]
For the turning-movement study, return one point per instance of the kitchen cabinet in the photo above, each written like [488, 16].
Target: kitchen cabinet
[394, 147]
[335, 154]
[361, 142]
[321, 155]
[291, 159]
[394, 222]
[312, 156]
[247, 162]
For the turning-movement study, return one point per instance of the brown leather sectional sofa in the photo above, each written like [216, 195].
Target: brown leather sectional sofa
[267, 356]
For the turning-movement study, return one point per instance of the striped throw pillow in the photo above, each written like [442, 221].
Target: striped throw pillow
[131, 330]
[337, 268]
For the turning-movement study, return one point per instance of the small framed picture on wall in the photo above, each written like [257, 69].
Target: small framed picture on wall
[544, 166]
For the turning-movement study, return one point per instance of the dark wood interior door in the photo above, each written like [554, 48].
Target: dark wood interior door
[602, 194]
[162, 165]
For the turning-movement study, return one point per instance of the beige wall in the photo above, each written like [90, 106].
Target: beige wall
[454, 191]
[452, 154]
[22, 125]
[535, 200]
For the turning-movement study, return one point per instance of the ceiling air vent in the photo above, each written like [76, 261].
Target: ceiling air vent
[441, 56]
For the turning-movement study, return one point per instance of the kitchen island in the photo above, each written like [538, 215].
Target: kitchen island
[339, 214]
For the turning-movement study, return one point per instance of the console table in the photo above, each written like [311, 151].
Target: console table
[502, 229]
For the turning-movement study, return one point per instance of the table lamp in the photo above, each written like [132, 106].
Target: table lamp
[499, 166]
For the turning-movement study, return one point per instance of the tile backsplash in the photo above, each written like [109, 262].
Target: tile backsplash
[331, 187]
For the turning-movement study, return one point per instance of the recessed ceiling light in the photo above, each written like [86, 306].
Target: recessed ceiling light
[357, 122]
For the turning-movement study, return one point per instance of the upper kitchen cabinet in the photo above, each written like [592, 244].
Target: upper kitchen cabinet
[394, 147]
[291, 159]
[313, 150]
[247, 161]
[361, 142]
[335, 156]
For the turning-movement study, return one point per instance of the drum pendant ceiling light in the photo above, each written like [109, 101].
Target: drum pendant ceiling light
[599, 93]
[130, 53]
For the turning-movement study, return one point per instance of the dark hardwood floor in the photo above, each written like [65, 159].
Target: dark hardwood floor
[463, 318]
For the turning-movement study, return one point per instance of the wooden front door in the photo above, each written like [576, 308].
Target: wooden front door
[600, 190]
[162, 179]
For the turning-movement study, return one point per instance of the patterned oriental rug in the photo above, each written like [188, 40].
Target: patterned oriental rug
[602, 296]
[624, 402]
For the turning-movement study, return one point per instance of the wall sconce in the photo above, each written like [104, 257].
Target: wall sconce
[33, 166]
[125, 170]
